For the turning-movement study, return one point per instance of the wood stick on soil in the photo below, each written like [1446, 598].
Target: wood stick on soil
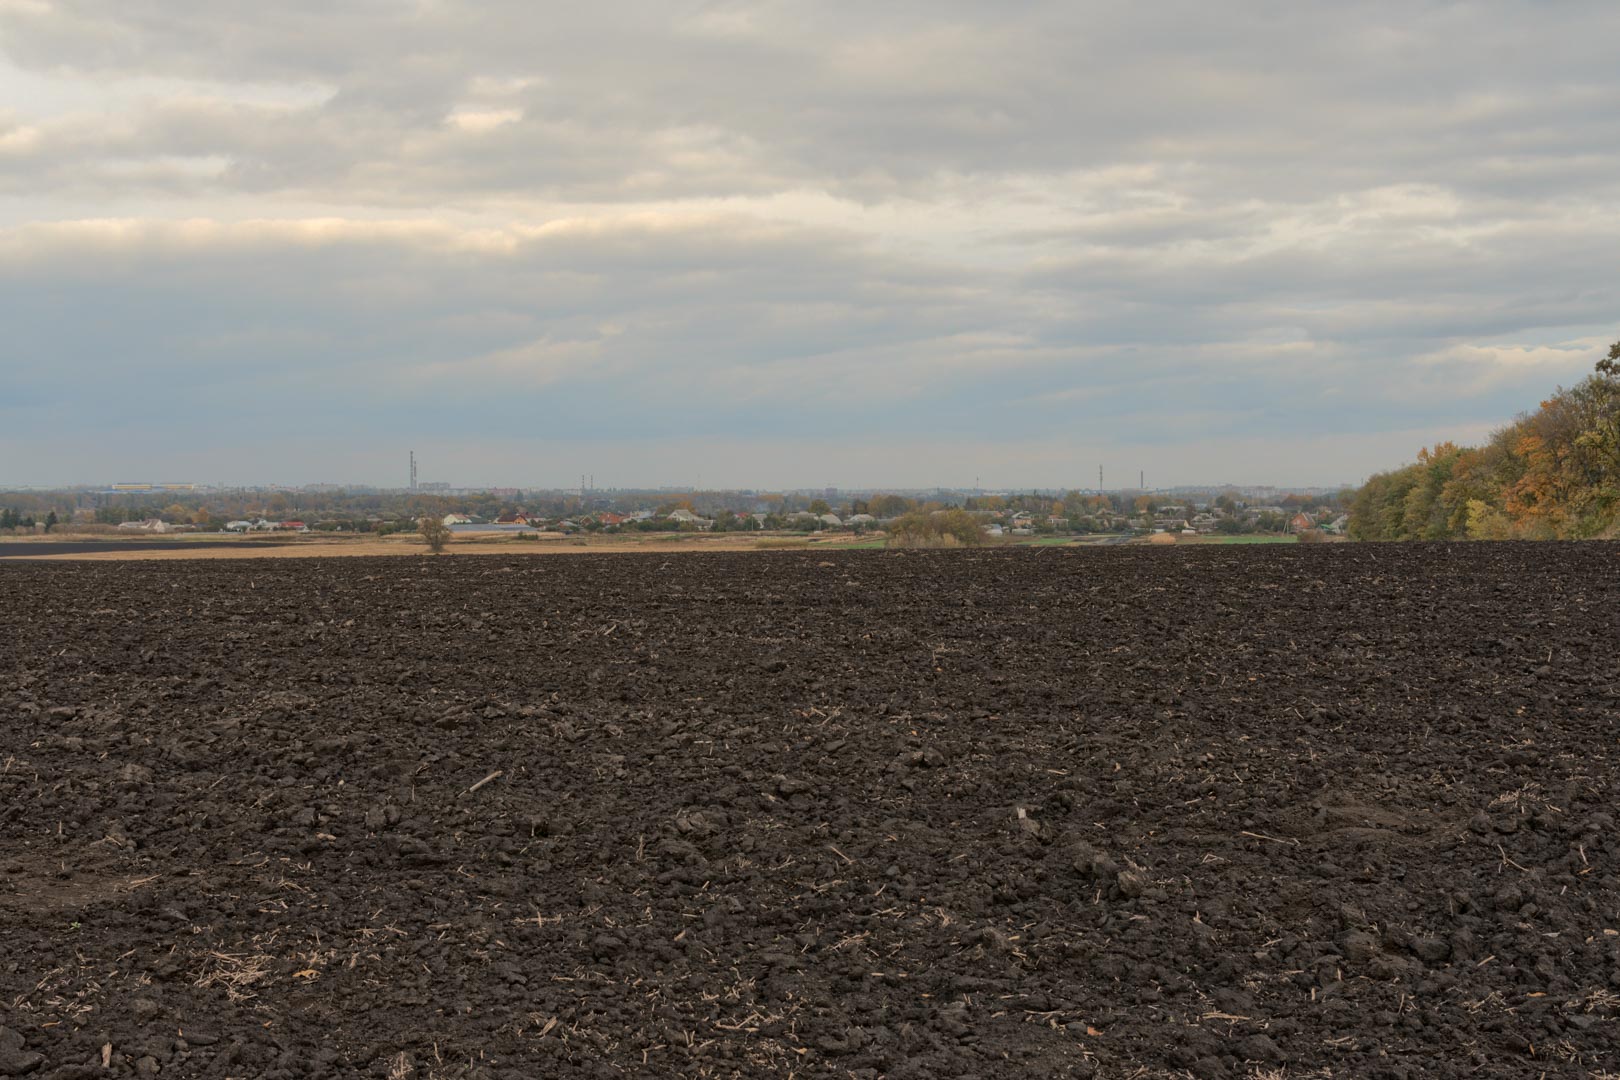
[482, 782]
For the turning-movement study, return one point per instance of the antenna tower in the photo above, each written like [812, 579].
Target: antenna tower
[413, 470]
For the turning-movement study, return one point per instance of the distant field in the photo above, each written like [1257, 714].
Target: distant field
[290, 546]
[294, 546]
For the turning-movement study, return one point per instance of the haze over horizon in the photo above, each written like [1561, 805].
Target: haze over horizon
[781, 245]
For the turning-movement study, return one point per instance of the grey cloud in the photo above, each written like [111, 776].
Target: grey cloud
[1302, 101]
[720, 316]
[815, 217]
[384, 303]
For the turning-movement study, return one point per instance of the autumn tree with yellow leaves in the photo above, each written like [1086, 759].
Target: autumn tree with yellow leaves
[1551, 474]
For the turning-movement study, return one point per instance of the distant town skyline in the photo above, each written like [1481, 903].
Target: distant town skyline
[1099, 480]
[779, 244]
[452, 489]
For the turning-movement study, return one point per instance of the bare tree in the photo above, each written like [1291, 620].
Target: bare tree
[435, 534]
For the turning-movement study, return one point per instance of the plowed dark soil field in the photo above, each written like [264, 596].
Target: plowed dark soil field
[1341, 811]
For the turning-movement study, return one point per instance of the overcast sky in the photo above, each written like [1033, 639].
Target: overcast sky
[779, 244]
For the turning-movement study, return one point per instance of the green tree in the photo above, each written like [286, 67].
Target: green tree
[1610, 365]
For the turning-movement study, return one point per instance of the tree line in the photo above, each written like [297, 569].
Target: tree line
[11, 518]
[385, 512]
[1552, 474]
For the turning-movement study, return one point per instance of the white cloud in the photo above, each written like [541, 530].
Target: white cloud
[1472, 370]
[479, 121]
